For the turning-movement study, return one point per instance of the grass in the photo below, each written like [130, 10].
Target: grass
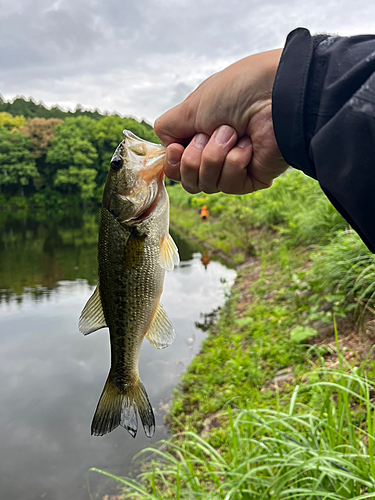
[293, 214]
[283, 208]
[248, 350]
[312, 437]
[345, 267]
[324, 450]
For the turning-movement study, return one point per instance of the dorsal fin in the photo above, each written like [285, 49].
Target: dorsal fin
[161, 332]
[168, 253]
[92, 316]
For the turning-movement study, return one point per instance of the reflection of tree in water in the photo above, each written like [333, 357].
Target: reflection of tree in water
[35, 255]
[35, 294]
[209, 320]
[40, 251]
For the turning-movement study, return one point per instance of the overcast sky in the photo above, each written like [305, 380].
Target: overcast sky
[139, 58]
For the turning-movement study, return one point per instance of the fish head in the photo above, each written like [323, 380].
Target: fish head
[135, 179]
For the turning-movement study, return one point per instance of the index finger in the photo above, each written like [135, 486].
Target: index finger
[176, 125]
[172, 162]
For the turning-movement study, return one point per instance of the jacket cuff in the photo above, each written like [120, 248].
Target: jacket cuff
[288, 100]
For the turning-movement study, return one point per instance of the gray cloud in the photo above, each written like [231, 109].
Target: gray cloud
[139, 58]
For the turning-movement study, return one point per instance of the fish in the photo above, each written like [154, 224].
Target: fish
[134, 251]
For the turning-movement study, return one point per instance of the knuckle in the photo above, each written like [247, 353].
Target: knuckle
[207, 186]
[236, 157]
[189, 165]
[224, 185]
[209, 190]
[190, 189]
[226, 188]
[213, 157]
[160, 129]
[157, 125]
[172, 174]
[189, 160]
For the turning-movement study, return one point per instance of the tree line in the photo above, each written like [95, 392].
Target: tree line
[60, 159]
[31, 109]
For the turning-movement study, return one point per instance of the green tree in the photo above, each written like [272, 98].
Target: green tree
[10, 122]
[74, 158]
[31, 109]
[17, 164]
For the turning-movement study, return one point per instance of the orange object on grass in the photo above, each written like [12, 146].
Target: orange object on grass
[204, 213]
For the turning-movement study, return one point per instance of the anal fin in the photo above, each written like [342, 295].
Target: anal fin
[161, 333]
[92, 316]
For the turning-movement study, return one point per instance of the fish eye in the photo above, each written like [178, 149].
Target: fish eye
[116, 163]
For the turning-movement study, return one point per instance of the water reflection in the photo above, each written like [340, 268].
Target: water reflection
[52, 377]
[209, 320]
[35, 256]
[205, 259]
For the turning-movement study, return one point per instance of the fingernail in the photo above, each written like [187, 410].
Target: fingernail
[200, 141]
[224, 134]
[244, 142]
[173, 158]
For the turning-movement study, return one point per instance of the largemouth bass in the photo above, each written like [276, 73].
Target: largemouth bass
[134, 250]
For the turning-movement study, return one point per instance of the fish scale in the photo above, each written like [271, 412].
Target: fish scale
[134, 250]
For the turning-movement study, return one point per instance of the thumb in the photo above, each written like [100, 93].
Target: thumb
[176, 125]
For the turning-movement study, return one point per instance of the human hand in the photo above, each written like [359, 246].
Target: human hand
[221, 137]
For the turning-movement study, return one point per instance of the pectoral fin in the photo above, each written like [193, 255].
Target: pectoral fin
[161, 332]
[169, 253]
[92, 317]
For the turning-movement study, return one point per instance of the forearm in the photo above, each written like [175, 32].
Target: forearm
[324, 119]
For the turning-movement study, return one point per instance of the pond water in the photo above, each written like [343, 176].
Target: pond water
[52, 376]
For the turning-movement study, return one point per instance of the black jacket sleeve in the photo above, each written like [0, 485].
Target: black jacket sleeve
[324, 119]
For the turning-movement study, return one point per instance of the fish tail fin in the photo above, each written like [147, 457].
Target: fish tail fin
[120, 407]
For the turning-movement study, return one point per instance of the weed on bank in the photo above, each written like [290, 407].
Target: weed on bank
[320, 451]
[267, 409]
